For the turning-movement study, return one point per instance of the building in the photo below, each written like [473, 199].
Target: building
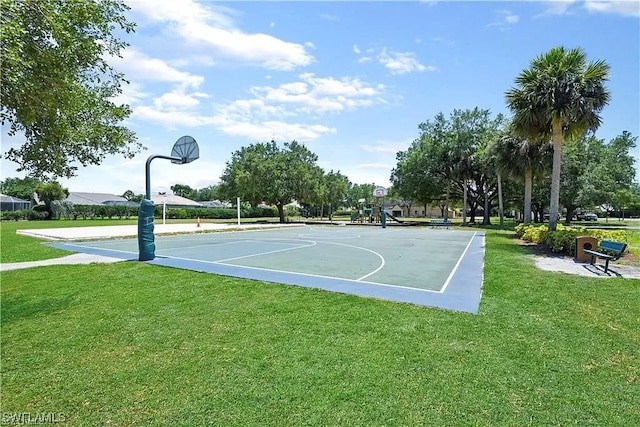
[174, 201]
[10, 203]
[216, 204]
[79, 198]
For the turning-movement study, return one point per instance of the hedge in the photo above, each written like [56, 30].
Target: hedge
[121, 211]
[563, 240]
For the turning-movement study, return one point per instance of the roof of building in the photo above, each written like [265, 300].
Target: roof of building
[215, 204]
[10, 199]
[80, 198]
[173, 200]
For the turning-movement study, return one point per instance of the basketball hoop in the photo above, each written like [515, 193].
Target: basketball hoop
[379, 192]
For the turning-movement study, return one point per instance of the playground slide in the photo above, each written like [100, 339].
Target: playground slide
[393, 218]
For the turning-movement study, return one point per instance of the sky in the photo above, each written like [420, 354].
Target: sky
[351, 80]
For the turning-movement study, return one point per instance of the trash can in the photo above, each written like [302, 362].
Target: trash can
[582, 243]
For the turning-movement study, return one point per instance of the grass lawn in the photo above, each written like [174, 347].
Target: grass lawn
[137, 344]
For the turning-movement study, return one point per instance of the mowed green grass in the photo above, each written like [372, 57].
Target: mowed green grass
[136, 344]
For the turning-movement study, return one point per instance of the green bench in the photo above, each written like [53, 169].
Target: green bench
[608, 250]
[440, 223]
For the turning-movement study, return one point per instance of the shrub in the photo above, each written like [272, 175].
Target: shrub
[563, 240]
[43, 211]
[12, 215]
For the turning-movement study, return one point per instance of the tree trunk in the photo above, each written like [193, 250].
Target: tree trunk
[464, 204]
[446, 212]
[555, 174]
[528, 184]
[486, 218]
[500, 205]
[280, 207]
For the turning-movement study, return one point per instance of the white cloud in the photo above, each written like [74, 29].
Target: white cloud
[356, 49]
[618, 7]
[178, 100]
[387, 147]
[318, 95]
[213, 26]
[388, 166]
[508, 18]
[140, 67]
[511, 19]
[402, 62]
[384, 149]
[171, 119]
[626, 7]
[131, 94]
[272, 111]
[378, 174]
[557, 7]
[272, 129]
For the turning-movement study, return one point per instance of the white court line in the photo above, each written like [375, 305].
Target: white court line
[364, 249]
[313, 243]
[339, 236]
[232, 242]
[320, 276]
[455, 268]
[269, 252]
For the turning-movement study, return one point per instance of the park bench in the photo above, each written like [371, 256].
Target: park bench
[608, 250]
[440, 223]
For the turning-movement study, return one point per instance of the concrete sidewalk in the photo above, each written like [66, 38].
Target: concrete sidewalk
[114, 231]
[570, 266]
[69, 259]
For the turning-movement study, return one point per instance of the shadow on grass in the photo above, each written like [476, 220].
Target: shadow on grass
[18, 308]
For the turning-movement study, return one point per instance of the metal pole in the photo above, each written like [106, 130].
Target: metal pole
[238, 207]
[147, 171]
[383, 215]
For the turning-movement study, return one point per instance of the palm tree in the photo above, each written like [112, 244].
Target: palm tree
[520, 158]
[559, 96]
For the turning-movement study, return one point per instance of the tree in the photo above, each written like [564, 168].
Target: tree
[184, 191]
[57, 86]
[23, 188]
[560, 95]
[206, 194]
[449, 157]
[264, 172]
[334, 190]
[519, 158]
[413, 180]
[358, 192]
[133, 197]
[50, 192]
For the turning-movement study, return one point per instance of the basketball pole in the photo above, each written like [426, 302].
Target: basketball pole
[238, 207]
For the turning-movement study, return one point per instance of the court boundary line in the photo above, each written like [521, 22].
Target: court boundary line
[455, 267]
[360, 279]
[462, 294]
[101, 251]
[295, 273]
[222, 261]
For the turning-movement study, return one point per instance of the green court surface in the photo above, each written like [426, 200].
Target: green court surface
[424, 266]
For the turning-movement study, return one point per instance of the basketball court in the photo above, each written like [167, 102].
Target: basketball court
[418, 265]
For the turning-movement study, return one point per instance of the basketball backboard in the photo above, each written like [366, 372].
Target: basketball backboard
[379, 192]
[186, 148]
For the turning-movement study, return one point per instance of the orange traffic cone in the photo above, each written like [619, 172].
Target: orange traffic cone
[198, 223]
